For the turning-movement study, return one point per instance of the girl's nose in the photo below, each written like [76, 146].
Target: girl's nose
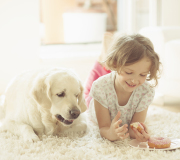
[133, 80]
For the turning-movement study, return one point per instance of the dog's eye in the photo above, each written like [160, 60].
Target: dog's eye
[76, 95]
[61, 94]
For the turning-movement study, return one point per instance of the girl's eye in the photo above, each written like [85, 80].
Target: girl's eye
[142, 75]
[128, 72]
[61, 94]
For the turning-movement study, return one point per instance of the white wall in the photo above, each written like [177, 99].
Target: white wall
[19, 38]
[20, 44]
[161, 13]
[170, 12]
[20, 41]
[126, 17]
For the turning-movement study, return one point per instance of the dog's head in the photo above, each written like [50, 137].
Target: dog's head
[60, 91]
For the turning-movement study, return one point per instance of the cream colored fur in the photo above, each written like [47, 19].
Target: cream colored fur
[32, 103]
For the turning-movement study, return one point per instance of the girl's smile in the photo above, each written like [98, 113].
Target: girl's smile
[131, 85]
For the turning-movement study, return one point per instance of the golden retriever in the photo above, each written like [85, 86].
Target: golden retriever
[44, 102]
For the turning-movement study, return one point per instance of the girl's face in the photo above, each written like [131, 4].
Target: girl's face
[133, 76]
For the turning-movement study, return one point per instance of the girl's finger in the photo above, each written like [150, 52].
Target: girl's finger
[145, 128]
[143, 139]
[121, 131]
[116, 118]
[136, 132]
[145, 135]
[123, 136]
[140, 137]
[117, 123]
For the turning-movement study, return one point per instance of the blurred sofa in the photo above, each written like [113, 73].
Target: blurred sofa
[166, 42]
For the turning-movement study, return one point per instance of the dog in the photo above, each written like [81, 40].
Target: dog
[46, 101]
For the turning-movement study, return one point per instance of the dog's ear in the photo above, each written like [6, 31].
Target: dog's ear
[41, 90]
[81, 100]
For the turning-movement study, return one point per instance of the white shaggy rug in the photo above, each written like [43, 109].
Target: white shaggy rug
[90, 145]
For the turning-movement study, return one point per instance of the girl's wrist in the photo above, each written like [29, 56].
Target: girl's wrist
[113, 136]
[108, 134]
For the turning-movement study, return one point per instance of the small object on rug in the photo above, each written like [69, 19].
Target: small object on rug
[137, 125]
[175, 144]
[159, 142]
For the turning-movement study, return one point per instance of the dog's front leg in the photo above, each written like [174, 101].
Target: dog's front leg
[20, 129]
[79, 125]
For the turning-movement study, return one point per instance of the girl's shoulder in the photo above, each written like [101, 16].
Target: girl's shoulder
[105, 79]
[146, 87]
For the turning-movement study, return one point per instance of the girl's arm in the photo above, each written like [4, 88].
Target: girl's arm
[139, 117]
[109, 130]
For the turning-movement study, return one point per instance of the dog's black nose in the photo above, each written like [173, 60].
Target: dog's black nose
[74, 113]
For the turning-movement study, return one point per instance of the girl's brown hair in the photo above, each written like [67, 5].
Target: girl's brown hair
[129, 49]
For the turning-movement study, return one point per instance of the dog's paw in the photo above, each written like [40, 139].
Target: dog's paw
[31, 138]
[81, 128]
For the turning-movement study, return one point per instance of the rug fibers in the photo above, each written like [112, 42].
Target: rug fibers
[90, 145]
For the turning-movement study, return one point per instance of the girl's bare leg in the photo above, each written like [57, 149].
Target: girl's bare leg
[107, 39]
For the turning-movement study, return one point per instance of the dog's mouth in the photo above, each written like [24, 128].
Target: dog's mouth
[65, 121]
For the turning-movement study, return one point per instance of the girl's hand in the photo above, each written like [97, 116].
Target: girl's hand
[116, 131]
[143, 136]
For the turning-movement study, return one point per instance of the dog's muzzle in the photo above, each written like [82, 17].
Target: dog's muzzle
[61, 119]
[73, 114]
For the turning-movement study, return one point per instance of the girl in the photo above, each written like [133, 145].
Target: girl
[121, 97]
